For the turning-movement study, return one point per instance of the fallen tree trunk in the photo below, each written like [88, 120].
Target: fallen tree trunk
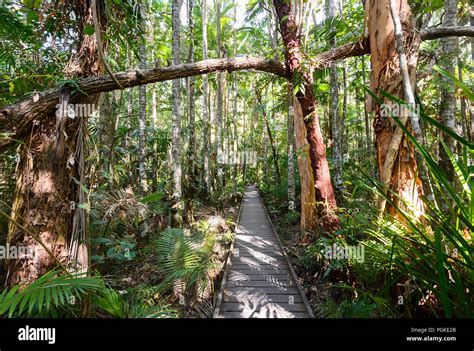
[16, 119]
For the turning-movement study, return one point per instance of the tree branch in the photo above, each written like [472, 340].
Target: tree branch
[443, 32]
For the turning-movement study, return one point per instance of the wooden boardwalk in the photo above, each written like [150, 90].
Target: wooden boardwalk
[259, 281]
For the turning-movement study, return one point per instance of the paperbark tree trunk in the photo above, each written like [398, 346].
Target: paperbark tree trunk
[48, 203]
[326, 201]
[401, 177]
[290, 151]
[308, 194]
[176, 120]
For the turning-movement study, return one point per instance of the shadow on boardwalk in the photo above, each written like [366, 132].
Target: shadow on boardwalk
[259, 281]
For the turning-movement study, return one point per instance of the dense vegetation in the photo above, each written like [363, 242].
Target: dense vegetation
[130, 128]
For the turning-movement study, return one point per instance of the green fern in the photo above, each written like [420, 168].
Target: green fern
[183, 262]
[443, 252]
[115, 305]
[48, 294]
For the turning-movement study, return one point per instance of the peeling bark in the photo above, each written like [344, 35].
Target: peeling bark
[46, 196]
[290, 151]
[308, 195]
[401, 176]
[325, 198]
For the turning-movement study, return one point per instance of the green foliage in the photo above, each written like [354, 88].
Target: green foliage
[52, 294]
[112, 302]
[57, 295]
[436, 258]
[365, 306]
[184, 262]
[117, 249]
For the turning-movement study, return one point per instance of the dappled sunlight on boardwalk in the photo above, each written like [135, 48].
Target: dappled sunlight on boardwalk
[259, 282]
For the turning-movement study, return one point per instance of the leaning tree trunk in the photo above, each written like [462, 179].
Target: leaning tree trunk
[448, 98]
[396, 160]
[49, 204]
[326, 201]
[176, 121]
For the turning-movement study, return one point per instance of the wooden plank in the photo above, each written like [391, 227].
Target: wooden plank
[279, 298]
[267, 306]
[261, 248]
[266, 273]
[246, 252]
[292, 271]
[259, 261]
[263, 315]
[239, 276]
[263, 267]
[259, 255]
[254, 292]
[259, 281]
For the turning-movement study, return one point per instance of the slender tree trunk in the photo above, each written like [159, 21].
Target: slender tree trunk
[220, 92]
[205, 106]
[271, 139]
[176, 120]
[128, 123]
[322, 180]
[466, 126]
[448, 98]
[191, 172]
[290, 151]
[115, 114]
[244, 147]
[265, 154]
[343, 135]
[234, 113]
[335, 117]
[47, 198]
[395, 154]
[155, 162]
[368, 139]
[142, 104]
